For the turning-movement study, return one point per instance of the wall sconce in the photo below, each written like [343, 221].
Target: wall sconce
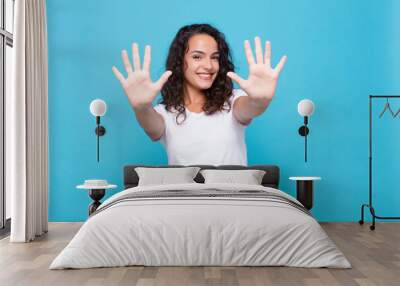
[305, 109]
[98, 108]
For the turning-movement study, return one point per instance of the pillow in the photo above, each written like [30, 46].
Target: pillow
[162, 176]
[249, 177]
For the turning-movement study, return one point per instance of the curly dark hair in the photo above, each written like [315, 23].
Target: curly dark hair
[221, 89]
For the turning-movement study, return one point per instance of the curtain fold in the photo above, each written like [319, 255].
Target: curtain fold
[27, 124]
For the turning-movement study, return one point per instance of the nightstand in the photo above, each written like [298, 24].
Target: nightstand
[97, 190]
[304, 190]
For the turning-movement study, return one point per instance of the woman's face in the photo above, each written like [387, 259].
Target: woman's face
[201, 62]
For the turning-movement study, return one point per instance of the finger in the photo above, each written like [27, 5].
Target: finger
[259, 56]
[147, 58]
[236, 78]
[267, 56]
[119, 76]
[163, 79]
[249, 53]
[136, 57]
[127, 63]
[281, 63]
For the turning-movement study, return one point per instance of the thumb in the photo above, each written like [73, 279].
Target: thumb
[163, 79]
[236, 78]
[281, 63]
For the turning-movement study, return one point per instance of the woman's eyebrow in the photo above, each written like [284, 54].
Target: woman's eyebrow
[201, 52]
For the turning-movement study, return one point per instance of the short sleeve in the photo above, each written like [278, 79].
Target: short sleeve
[236, 93]
[160, 109]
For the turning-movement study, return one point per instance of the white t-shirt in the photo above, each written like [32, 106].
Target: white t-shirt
[217, 139]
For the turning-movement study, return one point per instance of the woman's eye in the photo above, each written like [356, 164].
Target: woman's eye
[199, 57]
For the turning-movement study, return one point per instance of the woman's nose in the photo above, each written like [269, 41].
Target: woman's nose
[208, 64]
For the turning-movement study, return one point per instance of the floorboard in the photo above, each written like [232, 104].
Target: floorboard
[374, 255]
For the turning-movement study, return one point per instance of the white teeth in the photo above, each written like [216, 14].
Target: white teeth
[205, 75]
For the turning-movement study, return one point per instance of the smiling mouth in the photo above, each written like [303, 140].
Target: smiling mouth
[205, 76]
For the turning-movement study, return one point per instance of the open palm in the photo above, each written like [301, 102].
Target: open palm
[138, 85]
[262, 81]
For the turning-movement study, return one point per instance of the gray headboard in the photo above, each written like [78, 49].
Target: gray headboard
[270, 179]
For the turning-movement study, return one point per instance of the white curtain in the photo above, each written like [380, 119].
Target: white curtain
[27, 124]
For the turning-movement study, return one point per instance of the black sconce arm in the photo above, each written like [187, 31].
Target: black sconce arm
[303, 131]
[100, 131]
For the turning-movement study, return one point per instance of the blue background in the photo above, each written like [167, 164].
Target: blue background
[338, 51]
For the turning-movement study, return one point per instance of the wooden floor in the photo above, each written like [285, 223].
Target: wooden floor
[374, 255]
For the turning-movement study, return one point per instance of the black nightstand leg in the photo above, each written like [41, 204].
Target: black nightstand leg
[305, 193]
[96, 195]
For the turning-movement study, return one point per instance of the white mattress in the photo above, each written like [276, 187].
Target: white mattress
[200, 231]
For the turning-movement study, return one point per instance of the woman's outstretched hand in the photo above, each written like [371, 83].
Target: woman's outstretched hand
[138, 86]
[263, 79]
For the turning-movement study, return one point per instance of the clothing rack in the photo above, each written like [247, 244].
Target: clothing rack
[370, 206]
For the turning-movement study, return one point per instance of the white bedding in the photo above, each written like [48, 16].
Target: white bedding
[200, 231]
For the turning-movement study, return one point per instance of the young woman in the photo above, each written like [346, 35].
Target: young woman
[201, 118]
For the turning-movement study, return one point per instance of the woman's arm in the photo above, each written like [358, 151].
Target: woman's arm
[151, 121]
[141, 90]
[260, 85]
[246, 108]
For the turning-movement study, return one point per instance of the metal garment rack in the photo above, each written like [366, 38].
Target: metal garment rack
[371, 208]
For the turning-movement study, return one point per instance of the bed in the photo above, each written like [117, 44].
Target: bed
[201, 224]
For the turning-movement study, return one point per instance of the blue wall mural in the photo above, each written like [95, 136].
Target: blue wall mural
[339, 52]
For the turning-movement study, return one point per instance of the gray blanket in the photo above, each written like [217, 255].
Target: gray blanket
[198, 225]
[207, 194]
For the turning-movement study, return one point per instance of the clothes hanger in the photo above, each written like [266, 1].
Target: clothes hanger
[387, 106]
[398, 111]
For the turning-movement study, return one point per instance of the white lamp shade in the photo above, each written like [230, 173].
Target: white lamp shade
[305, 107]
[98, 107]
